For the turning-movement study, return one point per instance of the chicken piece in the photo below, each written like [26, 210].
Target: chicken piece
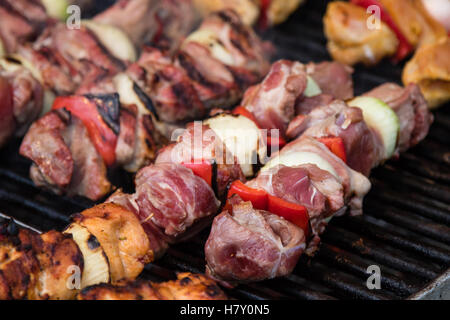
[122, 238]
[414, 21]
[430, 70]
[350, 41]
[37, 267]
[187, 287]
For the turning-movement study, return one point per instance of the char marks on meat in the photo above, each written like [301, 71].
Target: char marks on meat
[212, 68]
[67, 162]
[20, 21]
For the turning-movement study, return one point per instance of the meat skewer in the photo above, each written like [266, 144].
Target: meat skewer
[41, 266]
[320, 175]
[135, 110]
[173, 201]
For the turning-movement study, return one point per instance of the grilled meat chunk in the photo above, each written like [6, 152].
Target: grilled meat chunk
[272, 102]
[308, 185]
[162, 22]
[411, 108]
[364, 148]
[187, 287]
[37, 267]
[68, 162]
[430, 70]
[20, 21]
[246, 244]
[333, 78]
[171, 203]
[199, 142]
[351, 41]
[212, 68]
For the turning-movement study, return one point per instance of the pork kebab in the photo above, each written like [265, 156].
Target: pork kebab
[65, 60]
[271, 220]
[124, 119]
[175, 198]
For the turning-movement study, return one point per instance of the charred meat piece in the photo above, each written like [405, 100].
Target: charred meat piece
[75, 156]
[161, 22]
[212, 68]
[246, 244]
[36, 267]
[20, 21]
[170, 88]
[223, 56]
[187, 287]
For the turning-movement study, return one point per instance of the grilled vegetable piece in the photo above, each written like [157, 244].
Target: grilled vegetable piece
[187, 287]
[114, 39]
[121, 237]
[56, 8]
[242, 138]
[96, 264]
[381, 118]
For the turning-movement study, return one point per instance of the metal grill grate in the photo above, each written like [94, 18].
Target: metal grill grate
[405, 229]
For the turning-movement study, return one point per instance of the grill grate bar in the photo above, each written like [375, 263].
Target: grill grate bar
[387, 233]
[345, 284]
[409, 221]
[384, 254]
[394, 281]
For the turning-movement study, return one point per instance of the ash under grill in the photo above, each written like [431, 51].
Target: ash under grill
[405, 229]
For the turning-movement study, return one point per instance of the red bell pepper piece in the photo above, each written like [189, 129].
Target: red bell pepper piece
[295, 213]
[202, 169]
[256, 196]
[102, 136]
[244, 112]
[336, 145]
[404, 47]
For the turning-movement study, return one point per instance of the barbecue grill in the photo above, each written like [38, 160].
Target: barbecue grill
[405, 229]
